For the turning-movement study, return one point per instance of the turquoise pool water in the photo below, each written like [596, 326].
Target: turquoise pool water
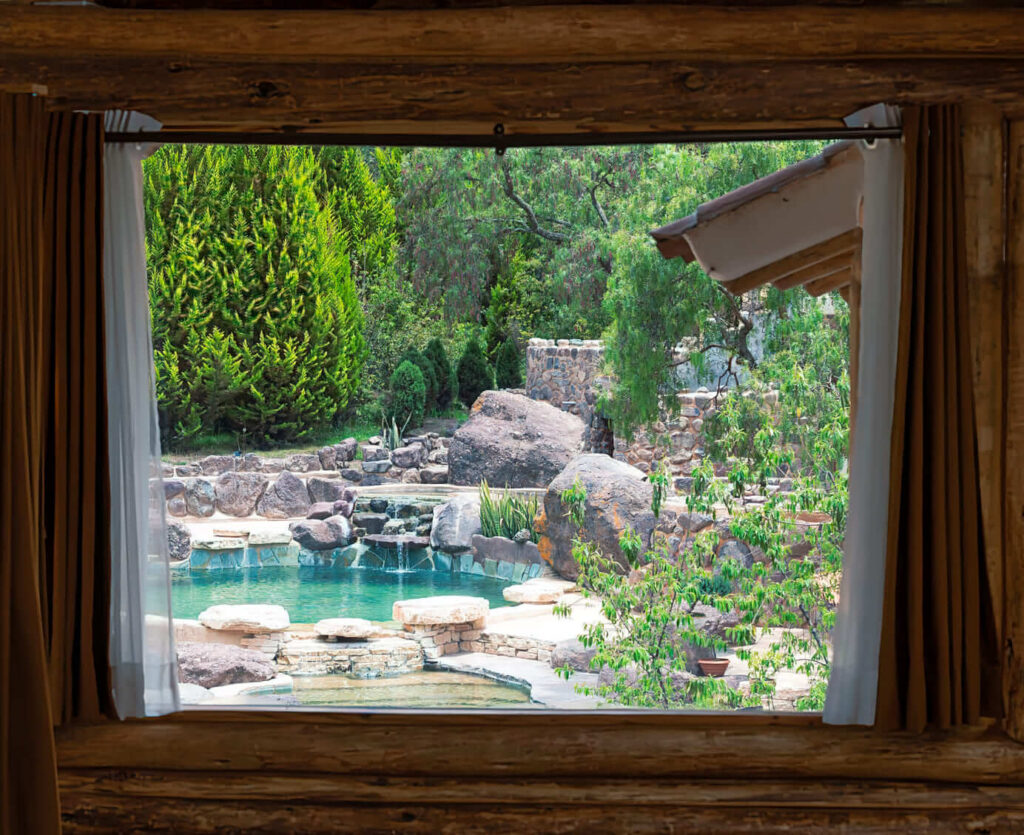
[310, 594]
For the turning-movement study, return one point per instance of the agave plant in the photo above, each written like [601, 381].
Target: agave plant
[392, 434]
[507, 514]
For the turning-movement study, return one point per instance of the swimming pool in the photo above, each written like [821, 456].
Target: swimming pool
[310, 594]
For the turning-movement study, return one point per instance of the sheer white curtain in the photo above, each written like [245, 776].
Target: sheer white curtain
[854, 680]
[142, 657]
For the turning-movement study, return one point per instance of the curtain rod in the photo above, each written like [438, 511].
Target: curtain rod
[499, 141]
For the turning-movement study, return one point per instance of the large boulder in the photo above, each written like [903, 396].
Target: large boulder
[511, 440]
[214, 665]
[199, 497]
[325, 489]
[286, 498]
[237, 493]
[179, 541]
[455, 523]
[322, 534]
[409, 456]
[618, 496]
[571, 653]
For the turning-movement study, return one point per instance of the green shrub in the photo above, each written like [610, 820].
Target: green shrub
[508, 366]
[474, 373]
[257, 328]
[507, 514]
[426, 367]
[437, 355]
[407, 395]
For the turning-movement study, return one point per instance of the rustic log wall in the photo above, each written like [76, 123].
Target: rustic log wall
[586, 68]
[223, 772]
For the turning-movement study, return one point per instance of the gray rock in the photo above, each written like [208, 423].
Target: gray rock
[176, 506]
[251, 463]
[273, 465]
[173, 487]
[438, 456]
[179, 541]
[617, 497]
[372, 523]
[513, 441]
[373, 452]
[214, 665]
[381, 465]
[320, 510]
[186, 470]
[408, 456]
[352, 474]
[325, 489]
[455, 523]
[736, 550]
[328, 458]
[434, 474]
[346, 450]
[218, 464]
[322, 534]
[693, 522]
[199, 497]
[574, 654]
[285, 498]
[238, 493]
[709, 620]
[505, 550]
[393, 527]
[347, 503]
[302, 462]
[378, 504]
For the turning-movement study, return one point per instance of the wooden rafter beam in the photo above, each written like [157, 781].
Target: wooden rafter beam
[815, 271]
[842, 244]
[828, 283]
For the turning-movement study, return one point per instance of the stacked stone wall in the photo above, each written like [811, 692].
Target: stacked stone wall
[569, 374]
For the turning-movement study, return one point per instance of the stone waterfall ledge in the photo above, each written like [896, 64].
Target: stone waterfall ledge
[373, 658]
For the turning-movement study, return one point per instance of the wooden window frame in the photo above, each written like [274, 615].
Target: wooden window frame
[571, 68]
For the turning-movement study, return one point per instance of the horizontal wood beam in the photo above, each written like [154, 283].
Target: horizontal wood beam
[840, 245]
[524, 34]
[601, 69]
[217, 771]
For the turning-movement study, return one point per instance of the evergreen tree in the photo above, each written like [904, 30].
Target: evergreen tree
[407, 395]
[438, 357]
[508, 366]
[474, 373]
[426, 368]
[256, 322]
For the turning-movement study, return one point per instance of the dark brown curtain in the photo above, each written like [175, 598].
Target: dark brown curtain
[938, 664]
[54, 501]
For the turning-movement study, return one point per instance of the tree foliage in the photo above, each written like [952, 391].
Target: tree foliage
[508, 366]
[256, 323]
[407, 396]
[474, 372]
[437, 355]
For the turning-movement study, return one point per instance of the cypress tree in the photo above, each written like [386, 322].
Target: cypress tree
[256, 322]
[438, 357]
[474, 373]
[407, 395]
[508, 366]
[426, 368]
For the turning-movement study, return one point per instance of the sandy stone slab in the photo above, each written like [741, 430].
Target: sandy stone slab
[344, 628]
[538, 590]
[270, 538]
[218, 544]
[245, 618]
[443, 609]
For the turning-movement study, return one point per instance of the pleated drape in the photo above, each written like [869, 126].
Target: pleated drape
[54, 501]
[938, 662]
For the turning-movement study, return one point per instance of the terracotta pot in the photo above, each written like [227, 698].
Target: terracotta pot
[714, 667]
